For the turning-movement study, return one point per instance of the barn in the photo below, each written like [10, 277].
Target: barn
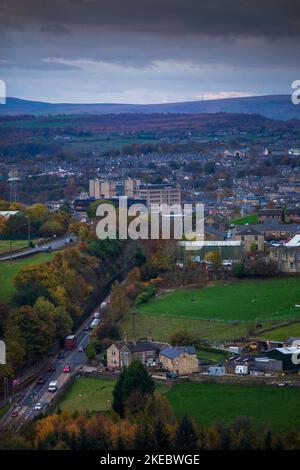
[289, 356]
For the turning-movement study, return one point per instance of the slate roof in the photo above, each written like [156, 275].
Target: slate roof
[141, 345]
[174, 352]
[248, 230]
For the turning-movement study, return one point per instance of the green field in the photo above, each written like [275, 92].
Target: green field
[16, 245]
[209, 403]
[248, 219]
[8, 270]
[243, 301]
[89, 394]
[163, 326]
[282, 333]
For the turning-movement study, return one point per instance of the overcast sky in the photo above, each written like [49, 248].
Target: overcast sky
[148, 51]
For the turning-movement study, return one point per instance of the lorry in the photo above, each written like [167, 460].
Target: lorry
[241, 370]
[52, 387]
[70, 341]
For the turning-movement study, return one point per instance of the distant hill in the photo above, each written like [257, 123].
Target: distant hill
[272, 106]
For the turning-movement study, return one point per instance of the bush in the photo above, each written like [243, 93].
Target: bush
[145, 295]
[239, 271]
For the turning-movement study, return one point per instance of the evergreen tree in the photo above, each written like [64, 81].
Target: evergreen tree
[134, 379]
[186, 437]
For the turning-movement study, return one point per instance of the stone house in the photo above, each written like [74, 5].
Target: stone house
[292, 215]
[287, 256]
[123, 353]
[251, 239]
[179, 359]
[270, 215]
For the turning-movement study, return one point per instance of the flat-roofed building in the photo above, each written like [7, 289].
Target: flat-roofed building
[102, 189]
[160, 194]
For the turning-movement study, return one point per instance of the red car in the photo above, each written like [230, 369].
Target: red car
[67, 369]
[51, 369]
[14, 413]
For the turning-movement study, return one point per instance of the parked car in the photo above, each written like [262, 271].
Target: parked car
[67, 369]
[152, 363]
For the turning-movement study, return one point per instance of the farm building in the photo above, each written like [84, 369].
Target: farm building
[216, 370]
[180, 359]
[265, 364]
[290, 357]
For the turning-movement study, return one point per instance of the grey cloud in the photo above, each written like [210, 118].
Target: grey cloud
[270, 18]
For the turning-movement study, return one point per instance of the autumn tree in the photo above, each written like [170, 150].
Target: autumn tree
[120, 304]
[215, 258]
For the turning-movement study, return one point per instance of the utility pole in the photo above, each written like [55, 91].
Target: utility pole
[28, 227]
[133, 326]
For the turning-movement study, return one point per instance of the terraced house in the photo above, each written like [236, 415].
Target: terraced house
[123, 353]
[287, 256]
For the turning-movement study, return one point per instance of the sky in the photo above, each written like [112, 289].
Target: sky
[148, 51]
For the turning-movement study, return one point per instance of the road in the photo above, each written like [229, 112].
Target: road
[39, 393]
[55, 243]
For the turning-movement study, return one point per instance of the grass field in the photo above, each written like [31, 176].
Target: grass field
[208, 403]
[16, 245]
[243, 301]
[283, 332]
[162, 327]
[88, 394]
[248, 219]
[213, 356]
[8, 270]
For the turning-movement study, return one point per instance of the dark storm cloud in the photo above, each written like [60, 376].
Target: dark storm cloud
[148, 50]
[268, 18]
